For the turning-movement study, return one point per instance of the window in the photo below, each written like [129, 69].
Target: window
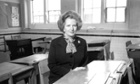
[45, 11]
[91, 11]
[115, 10]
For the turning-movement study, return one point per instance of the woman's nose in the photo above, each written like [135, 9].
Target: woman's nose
[72, 27]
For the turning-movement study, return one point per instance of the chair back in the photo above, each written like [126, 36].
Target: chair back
[107, 51]
[20, 48]
[41, 45]
[111, 55]
[128, 43]
[47, 42]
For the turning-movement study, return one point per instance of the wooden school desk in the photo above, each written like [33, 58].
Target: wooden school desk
[95, 49]
[134, 46]
[33, 60]
[18, 71]
[96, 72]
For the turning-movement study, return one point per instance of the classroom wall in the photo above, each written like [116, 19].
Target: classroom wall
[121, 30]
[132, 24]
[132, 18]
[68, 5]
[134, 15]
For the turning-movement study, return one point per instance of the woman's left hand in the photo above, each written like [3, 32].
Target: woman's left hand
[79, 68]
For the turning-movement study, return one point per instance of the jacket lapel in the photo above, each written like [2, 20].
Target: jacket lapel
[62, 42]
[77, 42]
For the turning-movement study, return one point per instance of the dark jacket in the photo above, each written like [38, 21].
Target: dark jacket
[60, 62]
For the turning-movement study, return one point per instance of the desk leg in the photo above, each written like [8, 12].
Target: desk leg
[40, 75]
[37, 77]
[130, 78]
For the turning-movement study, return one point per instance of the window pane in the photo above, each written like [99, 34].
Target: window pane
[87, 3]
[96, 16]
[121, 2]
[116, 13]
[96, 3]
[53, 8]
[53, 16]
[31, 7]
[37, 11]
[110, 3]
[38, 19]
[91, 11]
[53, 4]
[120, 16]
[111, 15]
[88, 16]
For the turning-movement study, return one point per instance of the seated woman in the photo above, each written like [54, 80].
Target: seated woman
[68, 51]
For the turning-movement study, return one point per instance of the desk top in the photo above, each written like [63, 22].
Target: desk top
[134, 46]
[100, 78]
[106, 66]
[96, 45]
[30, 60]
[95, 70]
[98, 41]
[7, 67]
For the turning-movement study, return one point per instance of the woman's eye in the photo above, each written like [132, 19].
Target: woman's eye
[74, 25]
[68, 25]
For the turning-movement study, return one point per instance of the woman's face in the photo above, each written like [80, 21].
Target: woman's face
[70, 27]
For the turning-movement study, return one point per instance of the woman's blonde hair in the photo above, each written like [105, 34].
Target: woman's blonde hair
[69, 14]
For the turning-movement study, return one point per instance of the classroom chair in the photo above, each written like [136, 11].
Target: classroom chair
[107, 51]
[112, 56]
[20, 48]
[41, 45]
[128, 43]
[135, 61]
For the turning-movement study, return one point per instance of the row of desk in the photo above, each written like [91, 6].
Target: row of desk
[106, 71]
[24, 68]
[98, 72]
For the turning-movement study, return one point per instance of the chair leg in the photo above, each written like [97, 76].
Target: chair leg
[5, 49]
[130, 77]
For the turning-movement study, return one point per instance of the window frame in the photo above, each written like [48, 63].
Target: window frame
[115, 21]
[91, 8]
[45, 12]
